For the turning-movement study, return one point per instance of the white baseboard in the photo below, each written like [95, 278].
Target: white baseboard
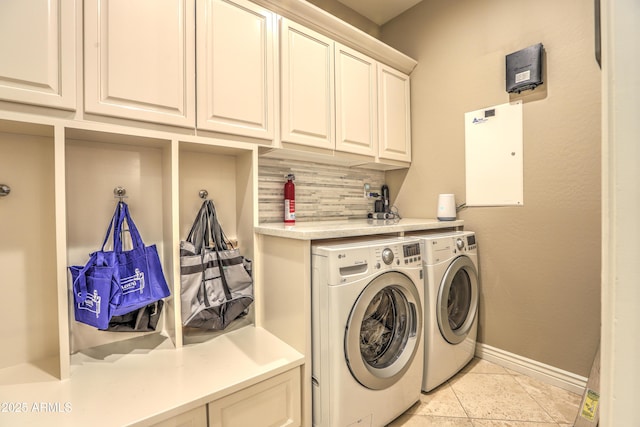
[545, 373]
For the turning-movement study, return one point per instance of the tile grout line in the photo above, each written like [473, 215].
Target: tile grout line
[470, 418]
[456, 395]
[516, 375]
[537, 402]
[466, 418]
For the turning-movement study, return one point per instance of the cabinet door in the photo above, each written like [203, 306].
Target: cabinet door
[37, 47]
[235, 60]
[356, 102]
[307, 86]
[140, 60]
[394, 114]
[273, 402]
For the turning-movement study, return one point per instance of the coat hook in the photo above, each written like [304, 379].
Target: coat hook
[4, 190]
[120, 193]
[203, 194]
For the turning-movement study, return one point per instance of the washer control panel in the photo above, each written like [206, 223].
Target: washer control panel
[350, 260]
[407, 254]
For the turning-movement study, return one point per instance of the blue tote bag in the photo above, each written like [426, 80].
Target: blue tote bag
[117, 282]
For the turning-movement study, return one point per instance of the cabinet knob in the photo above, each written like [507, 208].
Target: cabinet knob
[4, 190]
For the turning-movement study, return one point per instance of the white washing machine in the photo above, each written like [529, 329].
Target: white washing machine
[451, 304]
[367, 358]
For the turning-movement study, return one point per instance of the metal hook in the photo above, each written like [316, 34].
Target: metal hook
[120, 193]
[203, 194]
[4, 190]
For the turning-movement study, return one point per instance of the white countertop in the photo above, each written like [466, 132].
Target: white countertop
[147, 385]
[317, 230]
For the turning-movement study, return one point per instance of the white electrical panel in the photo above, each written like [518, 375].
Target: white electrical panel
[493, 156]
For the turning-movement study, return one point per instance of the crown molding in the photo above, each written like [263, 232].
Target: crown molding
[323, 22]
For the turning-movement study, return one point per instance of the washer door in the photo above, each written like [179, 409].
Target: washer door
[457, 302]
[383, 331]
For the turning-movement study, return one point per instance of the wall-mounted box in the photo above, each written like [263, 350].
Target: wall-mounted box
[524, 69]
[494, 156]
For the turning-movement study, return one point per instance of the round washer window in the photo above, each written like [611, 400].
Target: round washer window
[457, 301]
[383, 330]
[383, 333]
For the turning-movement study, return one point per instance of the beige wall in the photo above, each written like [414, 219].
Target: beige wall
[539, 263]
[348, 15]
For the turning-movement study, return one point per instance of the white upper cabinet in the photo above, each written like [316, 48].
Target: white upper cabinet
[307, 86]
[356, 102]
[342, 101]
[394, 114]
[37, 47]
[235, 68]
[140, 60]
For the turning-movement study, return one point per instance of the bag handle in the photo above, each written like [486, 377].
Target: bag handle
[133, 230]
[206, 231]
[219, 243]
[96, 258]
[114, 220]
[120, 214]
[81, 280]
[220, 240]
[198, 229]
[136, 239]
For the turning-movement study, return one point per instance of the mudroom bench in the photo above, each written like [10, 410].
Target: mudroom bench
[232, 380]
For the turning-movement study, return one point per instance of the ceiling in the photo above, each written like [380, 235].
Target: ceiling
[380, 11]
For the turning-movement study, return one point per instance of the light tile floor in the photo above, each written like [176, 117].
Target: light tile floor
[484, 394]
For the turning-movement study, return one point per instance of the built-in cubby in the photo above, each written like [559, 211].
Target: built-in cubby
[96, 163]
[28, 258]
[165, 179]
[226, 176]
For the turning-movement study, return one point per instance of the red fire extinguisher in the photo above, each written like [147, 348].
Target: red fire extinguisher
[290, 200]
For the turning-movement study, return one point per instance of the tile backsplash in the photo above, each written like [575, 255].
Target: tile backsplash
[323, 192]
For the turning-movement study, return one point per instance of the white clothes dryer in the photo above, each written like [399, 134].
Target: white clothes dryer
[451, 304]
[367, 341]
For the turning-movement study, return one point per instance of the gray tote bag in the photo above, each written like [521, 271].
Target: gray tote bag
[216, 282]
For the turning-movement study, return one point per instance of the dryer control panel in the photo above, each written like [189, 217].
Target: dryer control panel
[442, 247]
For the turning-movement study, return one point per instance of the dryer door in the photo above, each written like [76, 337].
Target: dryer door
[457, 302]
[383, 331]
